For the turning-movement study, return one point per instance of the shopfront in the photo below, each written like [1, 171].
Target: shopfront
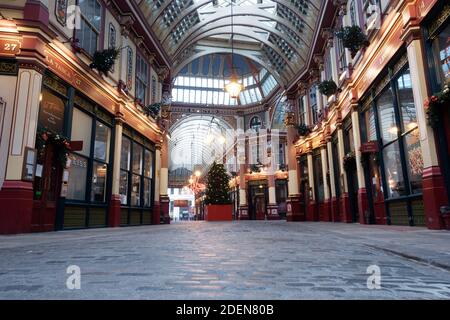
[394, 170]
[436, 34]
[73, 191]
[137, 162]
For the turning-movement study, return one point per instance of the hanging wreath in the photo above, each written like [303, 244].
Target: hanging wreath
[435, 104]
[104, 60]
[152, 110]
[366, 157]
[349, 161]
[353, 38]
[328, 87]
[61, 144]
[303, 130]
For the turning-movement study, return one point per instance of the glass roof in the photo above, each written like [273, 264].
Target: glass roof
[274, 33]
[203, 81]
[196, 141]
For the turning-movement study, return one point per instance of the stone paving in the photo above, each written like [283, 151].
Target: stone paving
[239, 260]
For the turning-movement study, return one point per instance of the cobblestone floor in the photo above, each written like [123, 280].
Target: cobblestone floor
[239, 260]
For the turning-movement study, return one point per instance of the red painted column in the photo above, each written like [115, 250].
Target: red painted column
[335, 216]
[156, 219]
[363, 206]
[114, 211]
[164, 204]
[346, 214]
[434, 196]
[16, 203]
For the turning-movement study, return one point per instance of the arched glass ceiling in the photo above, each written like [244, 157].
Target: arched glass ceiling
[275, 33]
[281, 108]
[203, 80]
[197, 141]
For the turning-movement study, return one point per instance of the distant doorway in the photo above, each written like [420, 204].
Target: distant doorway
[257, 200]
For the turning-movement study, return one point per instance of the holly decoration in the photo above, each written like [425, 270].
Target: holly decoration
[104, 60]
[217, 186]
[353, 38]
[328, 87]
[61, 144]
[435, 103]
[152, 110]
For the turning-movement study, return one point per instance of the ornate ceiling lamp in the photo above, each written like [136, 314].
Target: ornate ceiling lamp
[233, 87]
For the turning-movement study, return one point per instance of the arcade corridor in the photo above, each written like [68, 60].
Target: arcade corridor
[239, 260]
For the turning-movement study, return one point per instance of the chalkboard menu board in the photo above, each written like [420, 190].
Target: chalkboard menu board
[51, 111]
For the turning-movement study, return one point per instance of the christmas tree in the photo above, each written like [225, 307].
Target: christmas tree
[217, 187]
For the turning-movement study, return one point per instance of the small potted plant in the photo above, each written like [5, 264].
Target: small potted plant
[218, 206]
[328, 87]
[353, 38]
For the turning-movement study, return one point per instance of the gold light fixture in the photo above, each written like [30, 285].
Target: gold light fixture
[233, 87]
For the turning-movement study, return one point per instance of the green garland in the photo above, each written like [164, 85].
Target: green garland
[104, 60]
[217, 187]
[353, 38]
[328, 87]
[435, 104]
[61, 144]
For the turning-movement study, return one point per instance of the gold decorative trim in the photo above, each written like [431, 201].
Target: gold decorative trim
[439, 21]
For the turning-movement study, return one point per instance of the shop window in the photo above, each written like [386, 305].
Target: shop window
[90, 25]
[90, 160]
[313, 104]
[141, 79]
[336, 165]
[82, 130]
[353, 13]
[393, 171]
[318, 177]
[136, 176]
[77, 178]
[341, 54]
[369, 125]
[154, 84]
[386, 115]
[301, 111]
[441, 55]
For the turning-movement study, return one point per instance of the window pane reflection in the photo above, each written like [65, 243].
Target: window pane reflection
[389, 129]
[98, 182]
[393, 171]
[414, 160]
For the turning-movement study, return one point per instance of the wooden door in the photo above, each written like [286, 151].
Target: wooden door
[46, 191]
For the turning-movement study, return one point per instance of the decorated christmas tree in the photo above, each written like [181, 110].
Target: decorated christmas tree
[217, 187]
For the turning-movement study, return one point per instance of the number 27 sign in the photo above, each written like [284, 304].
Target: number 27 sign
[9, 47]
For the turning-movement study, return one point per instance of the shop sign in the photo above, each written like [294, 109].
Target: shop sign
[381, 59]
[369, 147]
[51, 112]
[9, 46]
